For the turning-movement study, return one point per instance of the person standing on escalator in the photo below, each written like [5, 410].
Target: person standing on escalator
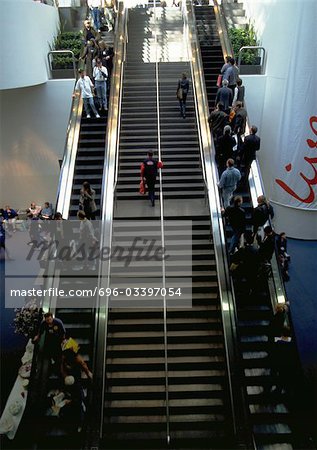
[95, 6]
[149, 169]
[181, 93]
[85, 87]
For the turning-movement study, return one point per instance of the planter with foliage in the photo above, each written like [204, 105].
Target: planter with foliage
[62, 64]
[242, 37]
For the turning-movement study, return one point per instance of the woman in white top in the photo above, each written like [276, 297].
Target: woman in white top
[100, 75]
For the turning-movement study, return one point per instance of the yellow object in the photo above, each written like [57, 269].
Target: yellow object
[70, 344]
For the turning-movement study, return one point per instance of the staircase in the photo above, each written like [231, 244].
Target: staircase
[136, 414]
[234, 13]
[200, 416]
[179, 138]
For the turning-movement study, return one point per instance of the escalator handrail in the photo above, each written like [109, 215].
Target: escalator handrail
[65, 183]
[276, 284]
[222, 26]
[107, 210]
[168, 437]
[125, 39]
[227, 299]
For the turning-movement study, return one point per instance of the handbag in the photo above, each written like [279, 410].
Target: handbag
[142, 188]
[233, 267]
[179, 93]
[219, 81]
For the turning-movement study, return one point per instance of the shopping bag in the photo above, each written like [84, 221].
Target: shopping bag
[180, 93]
[142, 188]
[219, 81]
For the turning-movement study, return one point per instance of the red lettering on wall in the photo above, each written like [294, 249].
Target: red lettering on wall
[311, 161]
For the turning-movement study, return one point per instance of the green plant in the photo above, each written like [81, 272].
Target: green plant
[67, 40]
[62, 62]
[241, 37]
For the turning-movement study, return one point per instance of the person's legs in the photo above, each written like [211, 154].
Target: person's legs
[150, 182]
[86, 106]
[226, 196]
[184, 105]
[96, 17]
[181, 106]
[98, 85]
[92, 105]
[104, 94]
[234, 241]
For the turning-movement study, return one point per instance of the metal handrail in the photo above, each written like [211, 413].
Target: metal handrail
[191, 59]
[225, 286]
[64, 189]
[252, 47]
[54, 52]
[168, 436]
[125, 38]
[222, 28]
[276, 284]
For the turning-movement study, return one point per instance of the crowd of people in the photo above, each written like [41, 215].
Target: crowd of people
[97, 57]
[62, 351]
[253, 241]
[250, 250]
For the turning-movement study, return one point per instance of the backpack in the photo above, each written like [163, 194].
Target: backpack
[261, 214]
[150, 168]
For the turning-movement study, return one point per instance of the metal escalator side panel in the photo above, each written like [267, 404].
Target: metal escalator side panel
[68, 166]
[107, 206]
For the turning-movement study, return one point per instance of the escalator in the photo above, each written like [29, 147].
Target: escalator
[84, 160]
[166, 365]
[273, 423]
[89, 160]
[210, 49]
[78, 315]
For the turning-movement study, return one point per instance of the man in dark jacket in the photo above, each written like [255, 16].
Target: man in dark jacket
[224, 148]
[218, 119]
[149, 169]
[239, 122]
[224, 95]
[248, 150]
[236, 217]
[54, 334]
[248, 261]
[262, 213]
[267, 246]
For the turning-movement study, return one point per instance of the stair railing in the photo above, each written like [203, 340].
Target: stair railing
[254, 69]
[72, 71]
[227, 299]
[168, 437]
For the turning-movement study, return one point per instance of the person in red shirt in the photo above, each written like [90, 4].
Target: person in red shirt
[149, 169]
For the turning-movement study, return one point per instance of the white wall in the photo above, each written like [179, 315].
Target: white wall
[255, 87]
[33, 133]
[286, 29]
[26, 30]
